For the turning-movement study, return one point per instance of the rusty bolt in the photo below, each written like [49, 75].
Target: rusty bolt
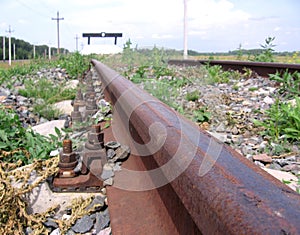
[95, 138]
[79, 95]
[76, 115]
[67, 157]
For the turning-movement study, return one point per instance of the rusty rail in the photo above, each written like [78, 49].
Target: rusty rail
[261, 68]
[181, 180]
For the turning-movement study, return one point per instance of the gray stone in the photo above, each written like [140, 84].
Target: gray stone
[275, 166]
[291, 167]
[110, 153]
[64, 107]
[220, 136]
[117, 166]
[112, 145]
[50, 223]
[4, 92]
[109, 181]
[102, 221]
[106, 231]
[49, 127]
[221, 128]
[97, 203]
[55, 232]
[282, 162]
[268, 100]
[262, 158]
[28, 231]
[107, 172]
[258, 163]
[122, 152]
[234, 130]
[83, 225]
[72, 84]
[70, 232]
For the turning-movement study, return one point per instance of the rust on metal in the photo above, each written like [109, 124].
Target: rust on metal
[67, 160]
[217, 190]
[145, 212]
[261, 68]
[93, 159]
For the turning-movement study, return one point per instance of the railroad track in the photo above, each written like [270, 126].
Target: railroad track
[261, 68]
[178, 178]
[181, 180]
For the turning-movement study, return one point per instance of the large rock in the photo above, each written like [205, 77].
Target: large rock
[49, 127]
[284, 176]
[72, 84]
[64, 107]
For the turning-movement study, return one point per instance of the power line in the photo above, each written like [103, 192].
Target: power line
[32, 9]
[57, 19]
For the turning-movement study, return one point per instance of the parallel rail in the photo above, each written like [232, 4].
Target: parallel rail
[261, 68]
[181, 180]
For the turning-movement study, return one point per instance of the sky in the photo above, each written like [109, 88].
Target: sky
[213, 25]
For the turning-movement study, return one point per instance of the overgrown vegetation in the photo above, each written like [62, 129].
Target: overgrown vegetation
[289, 83]
[46, 93]
[19, 144]
[282, 120]
[192, 96]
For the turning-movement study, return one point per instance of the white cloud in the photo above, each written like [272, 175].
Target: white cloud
[22, 21]
[277, 29]
[208, 14]
[162, 36]
[211, 23]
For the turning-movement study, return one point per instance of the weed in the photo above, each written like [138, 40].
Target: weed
[75, 64]
[163, 91]
[282, 121]
[239, 52]
[235, 87]
[202, 115]
[248, 73]
[160, 71]
[192, 96]
[217, 75]
[48, 93]
[253, 88]
[267, 54]
[22, 144]
[289, 83]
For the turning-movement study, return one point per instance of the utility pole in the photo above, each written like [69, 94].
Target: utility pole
[49, 52]
[33, 51]
[9, 45]
[14, 51]
[3, 48]
[185, 50]
[57, 19]
[76, 38]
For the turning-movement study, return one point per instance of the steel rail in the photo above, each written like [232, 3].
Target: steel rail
[261, 68]
[217, 191]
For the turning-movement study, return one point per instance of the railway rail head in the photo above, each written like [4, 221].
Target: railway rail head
[205, 186]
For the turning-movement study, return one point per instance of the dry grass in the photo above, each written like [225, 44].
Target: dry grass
[5, 65]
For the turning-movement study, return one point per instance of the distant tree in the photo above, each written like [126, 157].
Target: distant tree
[24, 50]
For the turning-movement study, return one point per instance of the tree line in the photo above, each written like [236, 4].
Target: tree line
[24, 50]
